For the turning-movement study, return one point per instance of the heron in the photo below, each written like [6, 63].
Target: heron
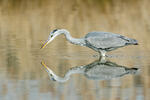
[96, 71]
[101, 42]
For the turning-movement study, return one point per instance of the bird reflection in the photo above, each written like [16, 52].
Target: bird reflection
[97, 70]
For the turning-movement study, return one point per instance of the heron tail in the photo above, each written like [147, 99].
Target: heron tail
[132, 70]
[132, 42]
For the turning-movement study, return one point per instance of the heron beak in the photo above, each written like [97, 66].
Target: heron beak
[46, 42]
[47, 69]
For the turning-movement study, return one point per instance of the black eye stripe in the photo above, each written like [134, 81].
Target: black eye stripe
[54, 30]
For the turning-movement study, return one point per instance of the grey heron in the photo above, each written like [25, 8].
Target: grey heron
[97, 71]
[101, 42]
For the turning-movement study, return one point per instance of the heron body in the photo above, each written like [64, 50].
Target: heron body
[96, 71]
[108, 70]
[107, 41]
[101, 42]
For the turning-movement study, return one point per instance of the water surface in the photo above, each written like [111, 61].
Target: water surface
[24, 24]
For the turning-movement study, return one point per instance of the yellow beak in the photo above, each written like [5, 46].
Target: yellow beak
[46, 42]
[44, 65]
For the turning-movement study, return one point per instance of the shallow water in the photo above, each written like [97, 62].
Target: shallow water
[23, 28]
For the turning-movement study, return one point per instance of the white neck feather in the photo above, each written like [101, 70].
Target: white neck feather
[66, 77]
[72, 40]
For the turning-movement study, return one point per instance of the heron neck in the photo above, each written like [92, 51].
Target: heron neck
[74, 70]
[77, 41]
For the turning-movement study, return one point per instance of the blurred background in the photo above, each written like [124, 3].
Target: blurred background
[25, 24]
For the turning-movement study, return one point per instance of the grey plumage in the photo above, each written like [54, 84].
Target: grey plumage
[97, 70]
[107, 70]
[107, 41]
[101, 42]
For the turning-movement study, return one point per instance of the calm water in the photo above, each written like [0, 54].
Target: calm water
[26, 24]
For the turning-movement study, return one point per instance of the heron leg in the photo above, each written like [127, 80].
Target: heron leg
[103, 53]
[102, 59]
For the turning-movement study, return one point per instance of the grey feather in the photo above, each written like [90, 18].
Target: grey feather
[106, 41]
[101, 42]
[107, 70]
[97, 70]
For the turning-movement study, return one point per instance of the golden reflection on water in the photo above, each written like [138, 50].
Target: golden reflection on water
[23, 24]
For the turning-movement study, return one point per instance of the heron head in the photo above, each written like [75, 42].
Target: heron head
[52, 35]
[50, 72]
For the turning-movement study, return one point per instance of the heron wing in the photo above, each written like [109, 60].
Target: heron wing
[105, 40]
[105, 72]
